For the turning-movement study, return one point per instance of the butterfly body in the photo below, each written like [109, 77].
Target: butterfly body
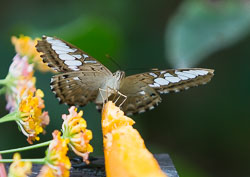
[82, 77]
[112, 83]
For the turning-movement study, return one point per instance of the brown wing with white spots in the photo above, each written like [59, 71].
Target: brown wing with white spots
[63, 56]
[142, 89]
[174, 80]
[77, 88]
[140, 97]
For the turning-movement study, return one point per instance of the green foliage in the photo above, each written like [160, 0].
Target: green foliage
[95, 36]
[200, 28]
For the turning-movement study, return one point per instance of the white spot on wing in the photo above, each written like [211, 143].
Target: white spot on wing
[192, 72]
[49, 38]
[201, 72]
[173, 79]
[66, 48]
[73, 62]
[76, 78]
[162, 72]
[142, 92]
[66, 57]
[154, 85]
[57, 43]
[191, 76]
[77, 56]
[60, 52]
[153, 74]
[85, 56]
[90, 61]
[161, 81]
[183, 77]
[168, 75]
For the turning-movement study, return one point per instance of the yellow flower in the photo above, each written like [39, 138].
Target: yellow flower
[74, 129]
[19, 168]
[56, 158]
[25, 46]
[32, 119]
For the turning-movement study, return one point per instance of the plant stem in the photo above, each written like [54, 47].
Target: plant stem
[38, 161]
[26, 148]
[2, 90]
[10, 117]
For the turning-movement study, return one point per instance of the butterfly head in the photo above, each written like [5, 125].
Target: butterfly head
[119, 74]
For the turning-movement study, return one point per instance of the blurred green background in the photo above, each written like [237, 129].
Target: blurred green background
[205, 129]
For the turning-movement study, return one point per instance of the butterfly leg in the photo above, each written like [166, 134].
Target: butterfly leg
[125, 98]
[104, 100]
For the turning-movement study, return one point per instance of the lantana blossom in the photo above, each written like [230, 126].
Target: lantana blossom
[19, 168]
[56, 160]
[74, 128]
[32, 120]
[25, 46]
[19, 79]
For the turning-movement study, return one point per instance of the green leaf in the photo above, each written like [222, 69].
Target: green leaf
[200, 28]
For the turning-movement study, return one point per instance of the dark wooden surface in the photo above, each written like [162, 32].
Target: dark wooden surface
[97, 169]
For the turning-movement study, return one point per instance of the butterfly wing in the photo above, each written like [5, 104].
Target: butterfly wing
[82, 74]
[63, 56]
[142, 89]
[77, 88]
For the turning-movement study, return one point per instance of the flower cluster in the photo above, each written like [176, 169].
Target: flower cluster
[24, 101]
[19, 80]
[56, 160]
[26, 105]
[25, 46]
[74, 129]
[33, 120]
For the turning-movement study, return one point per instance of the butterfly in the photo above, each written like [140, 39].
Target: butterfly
[81, 76]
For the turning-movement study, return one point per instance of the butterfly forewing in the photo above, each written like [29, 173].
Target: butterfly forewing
[63, 56]
[82, 74]
[172, 80]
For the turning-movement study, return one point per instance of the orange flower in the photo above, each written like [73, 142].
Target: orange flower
[25, 46]
[19, 168]
[124, 150]
[56, 159]
[74, 129]
[46, 171]
[32, 119]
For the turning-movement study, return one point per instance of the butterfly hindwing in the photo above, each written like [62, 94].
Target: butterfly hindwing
[140, 97]
[77, 88]
[63, 56]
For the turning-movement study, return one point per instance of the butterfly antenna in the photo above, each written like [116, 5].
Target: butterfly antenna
[113, 60]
